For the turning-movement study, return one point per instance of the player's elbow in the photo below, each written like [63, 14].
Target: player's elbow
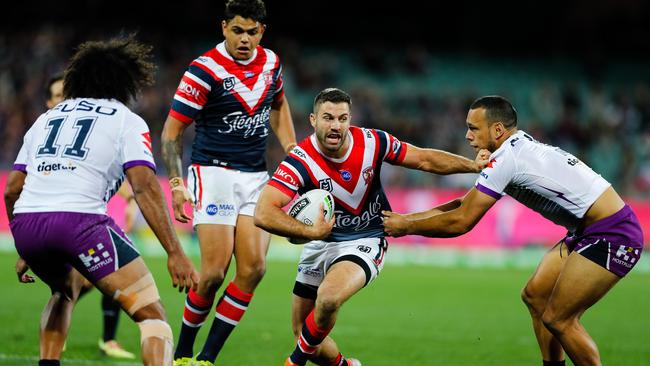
[261, 217]
[460, 226]
[14, 186]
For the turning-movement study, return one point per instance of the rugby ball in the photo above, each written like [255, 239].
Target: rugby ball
[306, 209]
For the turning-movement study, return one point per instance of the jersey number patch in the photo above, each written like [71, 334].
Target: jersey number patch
[76, 149]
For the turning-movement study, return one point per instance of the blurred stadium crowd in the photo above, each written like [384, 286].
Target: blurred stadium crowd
[601, 115]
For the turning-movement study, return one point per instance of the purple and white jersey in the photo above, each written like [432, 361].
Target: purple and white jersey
[76, 153]
[544, 178]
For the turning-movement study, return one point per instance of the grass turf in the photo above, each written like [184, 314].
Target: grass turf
[411, 315]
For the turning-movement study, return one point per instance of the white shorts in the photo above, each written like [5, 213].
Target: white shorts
[318, 256]
[223, 193]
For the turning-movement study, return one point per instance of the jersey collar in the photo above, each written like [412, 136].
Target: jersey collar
[221, 48]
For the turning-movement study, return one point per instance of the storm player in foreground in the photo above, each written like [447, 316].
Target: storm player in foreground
[73, 159]
[604, 240]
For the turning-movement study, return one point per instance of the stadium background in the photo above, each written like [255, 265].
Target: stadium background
[576, 71]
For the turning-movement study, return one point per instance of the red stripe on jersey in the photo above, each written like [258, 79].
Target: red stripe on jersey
[287, 175]
[334, 173]
[181, 117]
[396, 150]
[239, 71]
[352, 164]
[284, 189]
[192, 91]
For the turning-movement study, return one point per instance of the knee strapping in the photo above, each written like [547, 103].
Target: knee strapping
[156, 328]
[138, 295]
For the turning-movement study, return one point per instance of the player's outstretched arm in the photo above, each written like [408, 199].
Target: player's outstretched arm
[447, 206]
[270, 217]
[15, 182]
[443, 162]
[444, 225]
[172, 152]
[149, 197]
[282, 124]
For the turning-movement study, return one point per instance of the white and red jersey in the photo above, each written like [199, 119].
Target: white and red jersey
[230, 100]
[353, 179]
[76, 153]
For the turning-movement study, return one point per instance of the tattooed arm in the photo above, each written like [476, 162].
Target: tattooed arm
[172, 152]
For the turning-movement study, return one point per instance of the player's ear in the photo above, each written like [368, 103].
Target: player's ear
[224, 26]
[312, 119]
[498, 129]
[262, 29]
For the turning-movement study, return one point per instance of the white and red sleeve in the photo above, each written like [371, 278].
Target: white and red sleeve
[287, 179]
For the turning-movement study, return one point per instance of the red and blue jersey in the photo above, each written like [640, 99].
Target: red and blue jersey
[353, 179]
[230, 101]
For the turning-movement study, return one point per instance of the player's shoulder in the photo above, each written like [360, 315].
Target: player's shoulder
[302, 149]
[268, 52]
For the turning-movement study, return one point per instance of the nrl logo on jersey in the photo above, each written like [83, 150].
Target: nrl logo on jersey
[229, 83]
[325, 184]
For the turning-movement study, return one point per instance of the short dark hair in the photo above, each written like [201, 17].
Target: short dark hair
[248, 9]
[48, 86]
[115, 69]
[497, 109]
[332, 95]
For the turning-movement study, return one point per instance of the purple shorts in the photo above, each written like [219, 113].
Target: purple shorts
[53, 242]
[615, 242]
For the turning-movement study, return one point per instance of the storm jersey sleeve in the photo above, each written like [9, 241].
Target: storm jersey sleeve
[496, 176]
[192, 93]
[23, 155]
[391, 148]
[136, 144]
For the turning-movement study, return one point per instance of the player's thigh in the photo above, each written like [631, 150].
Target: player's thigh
[342, 280]
[580, 285]
[216, 243]
[251, 242]
[541, 283]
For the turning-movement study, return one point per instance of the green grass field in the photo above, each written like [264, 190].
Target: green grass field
[412, 315]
